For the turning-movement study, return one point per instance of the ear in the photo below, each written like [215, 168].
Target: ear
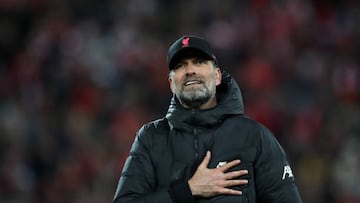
[171, 84]
[218, 76]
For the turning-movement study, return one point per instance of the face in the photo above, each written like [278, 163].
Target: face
[194, 82]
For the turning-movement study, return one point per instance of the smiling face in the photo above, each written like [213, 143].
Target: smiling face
[194, 81]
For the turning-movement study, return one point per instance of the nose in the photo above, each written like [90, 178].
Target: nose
[190, 69]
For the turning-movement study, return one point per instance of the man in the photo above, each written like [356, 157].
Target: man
[205, 149]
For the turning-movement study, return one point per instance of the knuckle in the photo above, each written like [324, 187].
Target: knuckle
[217, 190]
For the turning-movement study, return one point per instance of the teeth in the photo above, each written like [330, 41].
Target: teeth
[192, 83]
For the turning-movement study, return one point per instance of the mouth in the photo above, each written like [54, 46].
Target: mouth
[192, 82]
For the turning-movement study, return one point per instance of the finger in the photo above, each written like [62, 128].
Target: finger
[235, 174]
[228, 191]
[206, 160]
[229, 165]
[230, 183]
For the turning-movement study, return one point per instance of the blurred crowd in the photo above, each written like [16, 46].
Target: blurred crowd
[78, 79]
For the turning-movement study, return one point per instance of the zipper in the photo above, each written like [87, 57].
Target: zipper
[196, 144]
[196, 147]
[246, 197]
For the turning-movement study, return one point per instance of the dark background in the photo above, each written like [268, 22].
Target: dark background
[79, 77]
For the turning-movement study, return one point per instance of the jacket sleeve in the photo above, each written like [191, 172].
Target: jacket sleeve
[274, 179]
[137, 182]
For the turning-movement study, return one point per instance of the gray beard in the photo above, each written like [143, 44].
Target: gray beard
[196, 98]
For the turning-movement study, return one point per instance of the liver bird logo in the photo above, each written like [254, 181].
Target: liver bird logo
[185, 42]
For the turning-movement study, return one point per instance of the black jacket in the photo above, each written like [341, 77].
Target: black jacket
[166, 153]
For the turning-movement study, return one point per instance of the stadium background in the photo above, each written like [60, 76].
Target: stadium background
[79, 77]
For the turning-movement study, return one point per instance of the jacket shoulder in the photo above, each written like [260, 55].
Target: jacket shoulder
[251, 123]
[152, 134]
[254, 130]
[153, 128]
[159, 124]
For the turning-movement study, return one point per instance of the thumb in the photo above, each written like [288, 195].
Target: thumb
[206, 160]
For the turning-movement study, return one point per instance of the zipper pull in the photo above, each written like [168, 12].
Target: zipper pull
[193, 111]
